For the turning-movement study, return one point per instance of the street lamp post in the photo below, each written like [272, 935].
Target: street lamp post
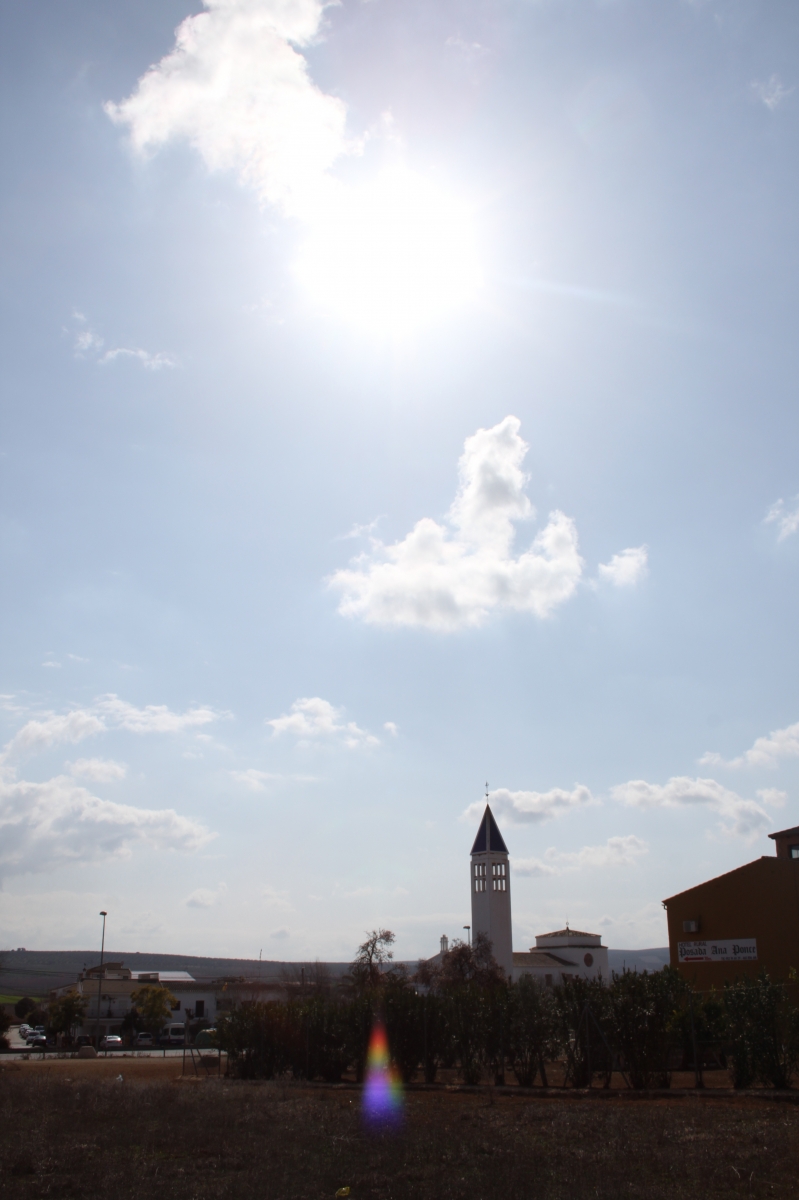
[100, 984]
[468, 929]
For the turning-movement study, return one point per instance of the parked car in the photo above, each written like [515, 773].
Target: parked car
[83, 1039]
[111, 1041]
[31, 1034]
[173, 1035]
[144, 1040]
[38, 1042]
[24, 1030]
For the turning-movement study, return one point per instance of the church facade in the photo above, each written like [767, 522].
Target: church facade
[556, 956]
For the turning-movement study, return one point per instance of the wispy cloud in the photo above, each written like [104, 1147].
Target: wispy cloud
[97, 770]
[766, 751]
[785, 518]
[153, 718]
[150, 362]
[772, 92]
[615, 852]
[89, 344]
[313, 719]
[524, 808]
[205, 897]
[254, 779]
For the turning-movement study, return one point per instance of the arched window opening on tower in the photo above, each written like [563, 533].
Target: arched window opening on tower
[479, 877]
[498, 869]
[499, 885]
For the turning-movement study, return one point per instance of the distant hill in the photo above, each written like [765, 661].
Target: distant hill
[34, 972]
[639, 960]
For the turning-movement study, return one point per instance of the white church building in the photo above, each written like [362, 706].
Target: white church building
[556, 956]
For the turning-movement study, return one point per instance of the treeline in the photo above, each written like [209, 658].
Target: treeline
[465, 1016]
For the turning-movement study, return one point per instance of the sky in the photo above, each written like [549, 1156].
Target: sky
[398, 405]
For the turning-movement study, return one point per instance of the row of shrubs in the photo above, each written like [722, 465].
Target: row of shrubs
[642, 1025]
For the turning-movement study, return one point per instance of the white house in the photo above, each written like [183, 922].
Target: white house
[565, 954]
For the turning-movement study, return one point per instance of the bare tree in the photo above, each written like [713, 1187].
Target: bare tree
[367, 968]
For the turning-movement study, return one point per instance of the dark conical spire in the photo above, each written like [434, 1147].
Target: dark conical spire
[488, 835]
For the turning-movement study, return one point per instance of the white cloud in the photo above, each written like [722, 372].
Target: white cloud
[205, 897]
[41, 733]
[237, 89]
[391, 728]
[280, 935]
[522, 808]
[47, 825]
[448, 578]
[51, 663]
[786, 520]
[253, 779]
[98, 770]
[772, 91]
[739, 816]
[312, 718]
[153, 718]
[766, 751]
[616, 852]
[626, 568]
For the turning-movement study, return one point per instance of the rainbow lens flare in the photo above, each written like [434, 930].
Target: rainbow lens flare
[382, 1096]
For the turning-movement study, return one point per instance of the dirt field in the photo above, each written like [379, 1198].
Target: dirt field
[72, 1129]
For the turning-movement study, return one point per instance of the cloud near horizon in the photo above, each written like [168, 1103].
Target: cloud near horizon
[236, 87]
[744, 818]
[48, 825]
[616, 852]
[766, 751]
[447, 577]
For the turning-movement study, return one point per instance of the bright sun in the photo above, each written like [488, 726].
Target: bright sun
[392, 254]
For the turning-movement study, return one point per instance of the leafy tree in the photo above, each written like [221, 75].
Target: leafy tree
[642, 1008]
[581, 1012]
[154, 1005]
[532, 1030]
[66, 1012]
[23, 1007]
[762, 1032]
[465, 963]
[5, 1021]
[257, 1038]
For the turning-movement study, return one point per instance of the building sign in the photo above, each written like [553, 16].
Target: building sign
[740, 950]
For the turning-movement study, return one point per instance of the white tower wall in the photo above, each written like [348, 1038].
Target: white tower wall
[490, 889]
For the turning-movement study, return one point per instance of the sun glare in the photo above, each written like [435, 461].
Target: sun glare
[392, 254]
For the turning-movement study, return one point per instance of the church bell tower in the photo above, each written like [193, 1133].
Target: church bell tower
[490, 883]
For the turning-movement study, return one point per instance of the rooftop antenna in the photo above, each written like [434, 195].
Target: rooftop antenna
[486, 789]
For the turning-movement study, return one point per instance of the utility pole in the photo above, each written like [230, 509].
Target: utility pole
[100, 984]
[468, 929]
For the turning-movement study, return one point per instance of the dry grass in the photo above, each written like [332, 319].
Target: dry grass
[74, 1132]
